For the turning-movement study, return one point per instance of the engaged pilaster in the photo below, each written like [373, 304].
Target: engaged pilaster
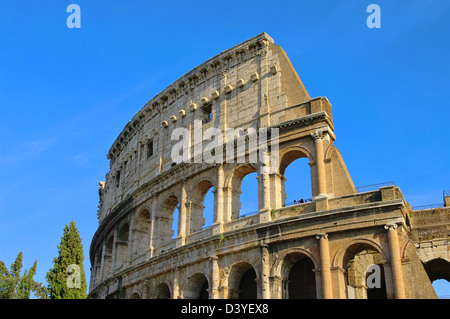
[396, 262]
[327, 291]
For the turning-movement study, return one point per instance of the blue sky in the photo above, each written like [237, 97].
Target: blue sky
[66, 94]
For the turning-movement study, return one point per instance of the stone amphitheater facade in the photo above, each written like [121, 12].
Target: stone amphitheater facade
[320, 248]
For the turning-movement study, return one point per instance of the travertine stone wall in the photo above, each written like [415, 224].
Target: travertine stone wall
[136, 254]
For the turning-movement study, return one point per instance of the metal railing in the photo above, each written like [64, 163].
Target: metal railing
[367, 188]
[428, 206]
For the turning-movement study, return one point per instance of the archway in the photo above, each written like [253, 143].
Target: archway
[162, 291]
[438, 271]
[107, 258]
[122, 245]
[364, 272]
[442, 288]
[202, 208]
[242, 282]
[135, 296]
[142, 233]
[296, 180]
[167, 222]
[197, 287]
[301, 283]
[247, 193]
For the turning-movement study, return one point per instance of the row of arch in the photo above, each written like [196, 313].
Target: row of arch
[298, 277]
[143, 231]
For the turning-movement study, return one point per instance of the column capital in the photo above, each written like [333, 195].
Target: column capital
[390, 226]
[318, 136]
[322, 235]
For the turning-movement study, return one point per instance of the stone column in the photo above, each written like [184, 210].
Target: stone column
[327, 290]
[182, 231]
[176, 286]
[219, 202]
[396, 262]
[277, 190]
[152, 228]
[318, 137]
[227, 200]
[265, 264]
[215, 278]
[264, 194]
[102, 262]
[112, 267]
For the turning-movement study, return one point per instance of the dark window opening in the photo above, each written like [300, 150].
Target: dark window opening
[149, 148]
[118, 179]
[207, 113]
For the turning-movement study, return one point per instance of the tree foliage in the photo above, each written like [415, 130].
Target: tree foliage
[15, 286]
[64, 281]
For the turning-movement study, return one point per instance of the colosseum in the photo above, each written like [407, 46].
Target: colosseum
[342, 243]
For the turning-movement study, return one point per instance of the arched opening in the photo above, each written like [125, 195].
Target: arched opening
[108, 256]
[208, 208]
[364, 272]
[247, 286]
[242, 282]
[197, 287]
[202, 207]
[97, 266]
[249, 195]
[438, 271]
[244, 196]
[167, 222]
[296, 182]
[142, 233]
[301, 283]
[135, 296]
[162, 291]
[122, 245]
[442, 288]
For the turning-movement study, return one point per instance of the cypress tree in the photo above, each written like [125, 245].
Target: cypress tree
[15, 286]
[67, 278]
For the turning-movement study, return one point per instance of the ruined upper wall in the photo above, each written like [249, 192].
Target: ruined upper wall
[254, 78]
[252, 84]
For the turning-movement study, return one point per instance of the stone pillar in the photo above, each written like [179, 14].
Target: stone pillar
[264, 194]
[277, 190]
[102, 262]
[112, 267]
[318, 137]
[215, 278]
[219, 202]
[228, 204]
[327, 289]
[396, 262]
[339, 284]
[265, 274]
[152, 228]
[182, 231]
[176, 285]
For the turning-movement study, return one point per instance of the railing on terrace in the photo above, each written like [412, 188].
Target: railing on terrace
[249, 214]
[428, 206]
[368, 188]
[300, 201]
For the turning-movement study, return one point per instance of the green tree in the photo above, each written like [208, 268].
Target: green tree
[15, 286]
[67, 278]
